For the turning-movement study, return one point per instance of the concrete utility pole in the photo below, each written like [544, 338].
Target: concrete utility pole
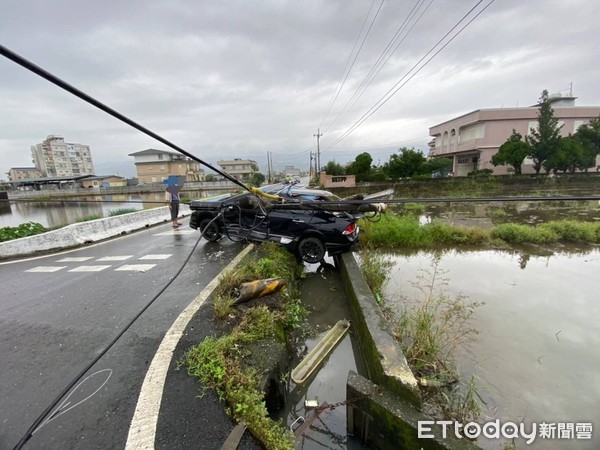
[318, 136]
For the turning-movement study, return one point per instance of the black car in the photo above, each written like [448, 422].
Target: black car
[308, 230]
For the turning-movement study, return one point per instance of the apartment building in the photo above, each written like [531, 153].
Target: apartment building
[56, 158]
[155, 166]
[241, 169]
[472, 139]
[23, 173]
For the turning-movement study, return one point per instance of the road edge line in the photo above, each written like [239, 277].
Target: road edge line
[142, 430]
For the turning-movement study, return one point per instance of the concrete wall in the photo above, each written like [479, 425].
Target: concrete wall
[383, 410]
[383, 357]
[383, 421]
[87, 232]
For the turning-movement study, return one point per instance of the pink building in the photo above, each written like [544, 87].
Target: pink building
[470, 140]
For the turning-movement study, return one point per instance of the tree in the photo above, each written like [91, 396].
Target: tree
[545, 140]
[361, 167]
[589, 137]
[209, 177]
[256, 179]
[406, 163]
[513, 152]
[439, 164]
[569, 157]
[333, 168]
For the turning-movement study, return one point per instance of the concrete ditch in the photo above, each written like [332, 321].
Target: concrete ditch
[385, 409]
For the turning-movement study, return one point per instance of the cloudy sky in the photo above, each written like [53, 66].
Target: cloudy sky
[226, 79]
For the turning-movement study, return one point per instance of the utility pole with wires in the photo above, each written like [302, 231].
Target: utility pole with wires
[318, 136]
[310, 167]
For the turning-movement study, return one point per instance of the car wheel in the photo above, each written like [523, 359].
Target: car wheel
[311, 250]
[212, 233]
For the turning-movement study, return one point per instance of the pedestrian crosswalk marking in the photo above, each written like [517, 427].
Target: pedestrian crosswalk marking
[46, 269]
[136, 267]
[97, 268]
[115, 258]
[100, 267]
[163, 256]
[75, 259]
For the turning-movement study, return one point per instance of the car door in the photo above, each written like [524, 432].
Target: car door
[288, 223]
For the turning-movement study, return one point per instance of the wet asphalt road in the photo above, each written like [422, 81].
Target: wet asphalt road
[58, 312]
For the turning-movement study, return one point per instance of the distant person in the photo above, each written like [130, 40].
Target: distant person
[172, 199]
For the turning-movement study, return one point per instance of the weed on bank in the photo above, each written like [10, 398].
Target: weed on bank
[218, 361]
[407, 231]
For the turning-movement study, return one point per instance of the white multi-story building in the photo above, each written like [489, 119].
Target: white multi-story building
[56, 158]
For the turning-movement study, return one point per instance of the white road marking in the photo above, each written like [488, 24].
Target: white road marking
[89, 268]
[142, 431]
[178, 231]
[46, 269]
[76, 259]
[115, 258]
[165, 256]
[136, 267]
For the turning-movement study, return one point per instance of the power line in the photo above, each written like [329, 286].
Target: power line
[341, 84]
[401, 83]
[375, 70]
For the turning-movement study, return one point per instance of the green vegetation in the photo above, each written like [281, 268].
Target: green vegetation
[218, 362]
[375, 267]
[430, 331]
[394, 231]
[121, 211]
[513, 152]
[89, 218]
[23, 230]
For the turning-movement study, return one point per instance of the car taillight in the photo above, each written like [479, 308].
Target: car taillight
[350, 229]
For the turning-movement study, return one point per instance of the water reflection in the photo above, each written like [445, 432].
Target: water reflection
[487, 215]
[62, 212]
[538, 352]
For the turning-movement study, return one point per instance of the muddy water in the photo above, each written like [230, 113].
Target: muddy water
[488, 214]
[537, 357]
[323, 295]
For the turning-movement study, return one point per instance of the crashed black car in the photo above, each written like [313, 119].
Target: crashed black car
[308, 230]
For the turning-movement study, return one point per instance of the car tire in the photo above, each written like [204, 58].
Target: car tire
[213, 233]
[311, 250]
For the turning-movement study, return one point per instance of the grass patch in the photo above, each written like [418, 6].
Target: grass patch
[375, 270]
[218, 362]
[23, 230]
[121, 211]
[430, 331]
[394, 231]
[89, 218]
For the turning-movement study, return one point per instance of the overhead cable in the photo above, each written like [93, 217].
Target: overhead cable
[416, 68]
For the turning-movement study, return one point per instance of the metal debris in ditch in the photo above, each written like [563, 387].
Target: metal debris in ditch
[305, 423]
[316, 356]
[257, 288]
